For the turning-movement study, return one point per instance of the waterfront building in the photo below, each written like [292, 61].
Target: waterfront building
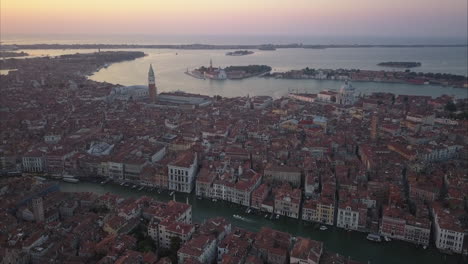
[346, 94]
[33, 161]
[152, 90]
[202, 248]
[169, 228]
[401, 225]
[326, 210]
[287, 201]
[204, 183]
[236, 188]
[418, 230]
[133, 166]
[259, 195]
[182, 172]
[55, 160]
[309, 210]
[235, 247]
[303, 97]
[182, 99]
[327, 96]
[306, 251]
[448, 232]
[348, 215]
[215, 73]
[272, 246]
[132, 92]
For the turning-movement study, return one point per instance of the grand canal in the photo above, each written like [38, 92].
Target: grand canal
[352, 244]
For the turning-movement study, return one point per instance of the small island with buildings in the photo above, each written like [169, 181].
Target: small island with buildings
[12, 54]
[400, 64]
[239, 53]
[358, 75]
[230, 72]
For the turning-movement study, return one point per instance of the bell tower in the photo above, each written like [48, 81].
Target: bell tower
[152, 91]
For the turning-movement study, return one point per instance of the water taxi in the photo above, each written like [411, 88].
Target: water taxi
[323, 228]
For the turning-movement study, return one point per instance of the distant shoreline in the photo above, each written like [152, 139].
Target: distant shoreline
[215, 47]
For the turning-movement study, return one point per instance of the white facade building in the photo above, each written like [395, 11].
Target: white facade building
[448, 233]
[347, 218]
[182, 172]
[33, 163]
[346, 95]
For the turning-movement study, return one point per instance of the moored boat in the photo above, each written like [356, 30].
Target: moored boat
[374, 238]
[70, 180]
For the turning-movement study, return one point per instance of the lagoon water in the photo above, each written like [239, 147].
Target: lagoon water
[170, 66]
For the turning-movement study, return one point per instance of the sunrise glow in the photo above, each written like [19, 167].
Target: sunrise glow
[295, 17]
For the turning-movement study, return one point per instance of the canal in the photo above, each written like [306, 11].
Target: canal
[352, 244]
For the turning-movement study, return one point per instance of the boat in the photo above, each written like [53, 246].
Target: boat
[199, 197]
[159, 191]
[214, 200]
[277, 217]
[323, 228]
[134, 186]
[141, 188]
[266, 215]
[70, 180]
[424, 247]
[387, 239]
[105, 182]
[374, 237]
[172, 193]
[237, 216]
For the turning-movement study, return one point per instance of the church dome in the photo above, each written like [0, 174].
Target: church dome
[347, 87]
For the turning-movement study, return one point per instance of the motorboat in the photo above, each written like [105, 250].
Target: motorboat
[71, 180]
[323, 228]
[374, 237]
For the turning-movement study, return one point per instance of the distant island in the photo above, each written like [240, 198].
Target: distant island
[214, 47]
[407, 76]
[239, 53]
[231, 72]
[267, 47]
[400, 64]
[12, 54]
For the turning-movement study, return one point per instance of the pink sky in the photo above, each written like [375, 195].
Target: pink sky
[447, 18]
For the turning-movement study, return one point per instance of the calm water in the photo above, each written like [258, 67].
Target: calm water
[170, 66]
[353, 244]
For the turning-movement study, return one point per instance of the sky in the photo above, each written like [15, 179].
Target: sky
[425, 18]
